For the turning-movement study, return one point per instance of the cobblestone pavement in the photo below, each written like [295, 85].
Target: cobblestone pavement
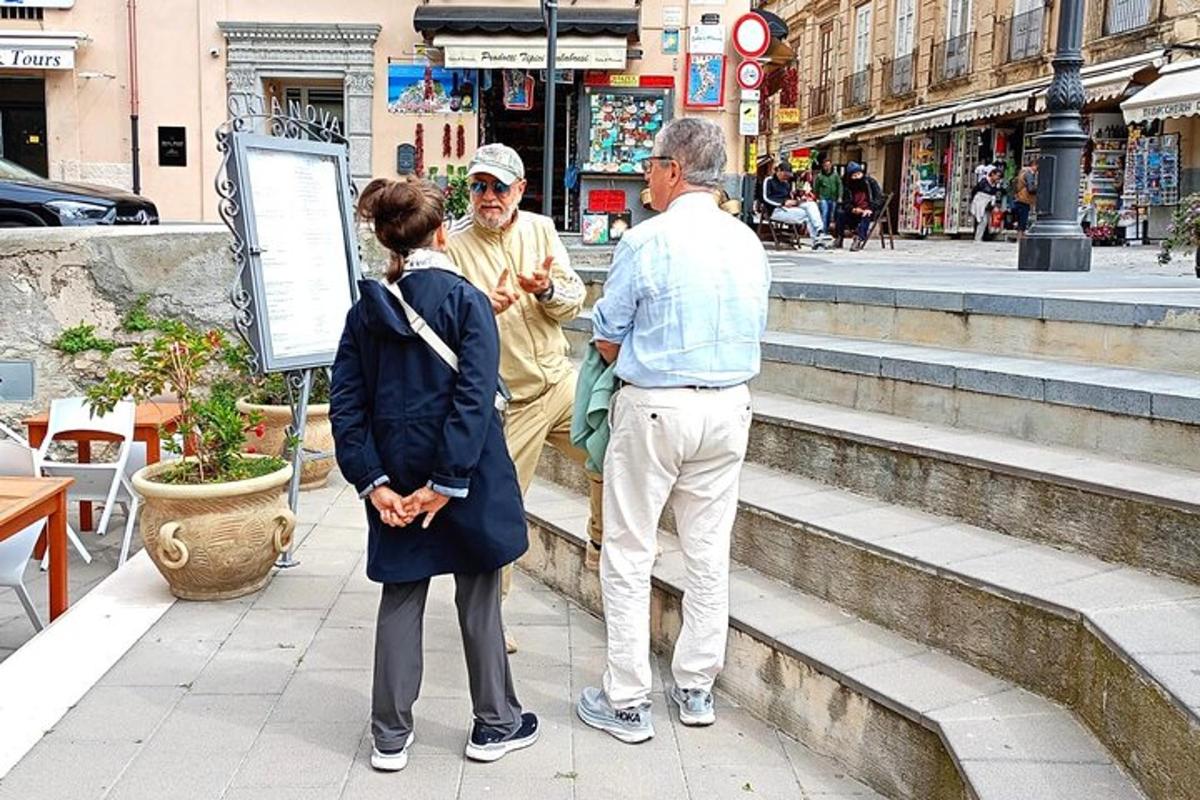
[267, 697]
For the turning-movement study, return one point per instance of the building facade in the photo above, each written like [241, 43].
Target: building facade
[89, 88]
[925, 91]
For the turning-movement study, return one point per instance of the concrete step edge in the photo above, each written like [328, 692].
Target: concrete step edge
[559, 510]
[1026, 306]
[1116, 390]
[977, 449]
[1051, 598]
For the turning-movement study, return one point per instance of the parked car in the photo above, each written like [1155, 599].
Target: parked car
[29, 200]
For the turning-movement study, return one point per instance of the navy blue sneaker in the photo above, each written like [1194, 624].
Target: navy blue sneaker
[489, 744]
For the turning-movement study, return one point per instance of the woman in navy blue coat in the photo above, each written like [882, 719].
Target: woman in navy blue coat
[424, 445]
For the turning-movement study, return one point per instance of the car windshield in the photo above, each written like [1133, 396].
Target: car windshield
[15, 172]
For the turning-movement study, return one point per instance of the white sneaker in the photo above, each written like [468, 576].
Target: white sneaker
[391, 762]
[695, 706]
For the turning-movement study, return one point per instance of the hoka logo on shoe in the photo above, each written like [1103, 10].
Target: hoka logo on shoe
[629, 716]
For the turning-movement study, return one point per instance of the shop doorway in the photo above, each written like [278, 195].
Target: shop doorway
[893, 169]
[327, 97]
[23, 123]
[520, 122]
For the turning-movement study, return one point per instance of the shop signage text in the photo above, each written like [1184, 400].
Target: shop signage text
[31, 58]
[788, 116]
[672, 16]
[39, 3]
[707, 39]
[627, 80]
[533, 56]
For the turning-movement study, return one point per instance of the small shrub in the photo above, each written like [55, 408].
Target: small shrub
[81, 339]
[137, 319]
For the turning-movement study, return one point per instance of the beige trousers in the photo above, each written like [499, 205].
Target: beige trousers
[528, 427]
[684, 447]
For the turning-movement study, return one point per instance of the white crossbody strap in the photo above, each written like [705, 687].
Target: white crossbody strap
[422, 329]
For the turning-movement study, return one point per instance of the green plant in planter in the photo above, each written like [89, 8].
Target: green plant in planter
[1184, 232]
[81, 339]
[272, 390]
[458, 193]
[200, 368]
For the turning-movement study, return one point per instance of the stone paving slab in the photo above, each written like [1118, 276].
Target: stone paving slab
[268, 697]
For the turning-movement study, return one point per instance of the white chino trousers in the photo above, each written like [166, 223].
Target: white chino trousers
[686, 447]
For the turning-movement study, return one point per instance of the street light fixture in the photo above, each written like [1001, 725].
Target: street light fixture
[1055, 242]
[550, 14]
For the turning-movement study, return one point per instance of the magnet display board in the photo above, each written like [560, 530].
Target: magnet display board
[296, 220]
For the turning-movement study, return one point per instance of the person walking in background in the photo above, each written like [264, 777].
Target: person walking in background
[1025, 196]
[517, 257]
[861, 200]
[828, 188]
[983, 200]
[421, 440]
[682, 314]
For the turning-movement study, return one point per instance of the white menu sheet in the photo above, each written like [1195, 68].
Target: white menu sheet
[301, 232]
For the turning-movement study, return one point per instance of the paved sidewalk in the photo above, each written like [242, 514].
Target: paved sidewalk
[267, 697]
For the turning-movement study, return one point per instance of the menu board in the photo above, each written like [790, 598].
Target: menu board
[621, 130]
[302, 257]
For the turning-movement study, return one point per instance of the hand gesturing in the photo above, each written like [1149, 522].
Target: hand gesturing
[503, 295]
[539, 281]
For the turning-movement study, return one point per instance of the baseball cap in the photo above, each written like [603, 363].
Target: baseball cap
[498, 160]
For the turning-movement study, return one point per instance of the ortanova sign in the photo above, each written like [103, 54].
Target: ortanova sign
[36, 57]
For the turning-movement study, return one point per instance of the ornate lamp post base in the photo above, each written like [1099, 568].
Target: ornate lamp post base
[1054, 253]
[1055, 242]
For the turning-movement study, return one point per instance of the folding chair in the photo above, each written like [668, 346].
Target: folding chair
[18, 459]
[105, 482]
[883, 222]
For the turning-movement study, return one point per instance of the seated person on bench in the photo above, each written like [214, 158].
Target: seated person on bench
[862, 199]
[787, 207]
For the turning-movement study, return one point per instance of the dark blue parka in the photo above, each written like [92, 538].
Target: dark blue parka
[398, 410]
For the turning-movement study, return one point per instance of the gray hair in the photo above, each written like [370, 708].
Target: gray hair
[699, 147]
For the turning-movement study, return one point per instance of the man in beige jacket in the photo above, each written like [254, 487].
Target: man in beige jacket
[517, 258]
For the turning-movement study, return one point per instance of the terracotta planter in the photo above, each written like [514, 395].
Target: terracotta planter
[318, 435]
[215, 541]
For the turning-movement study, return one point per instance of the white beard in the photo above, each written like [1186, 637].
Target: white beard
[501, 224]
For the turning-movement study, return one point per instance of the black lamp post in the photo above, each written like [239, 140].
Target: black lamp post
[550, 13]
[1055, 242]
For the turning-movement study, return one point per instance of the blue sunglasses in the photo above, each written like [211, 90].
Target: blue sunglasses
[499, 187]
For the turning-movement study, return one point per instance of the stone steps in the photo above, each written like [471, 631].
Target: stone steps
[908, 720]
[1136, 414]
[1140, 331]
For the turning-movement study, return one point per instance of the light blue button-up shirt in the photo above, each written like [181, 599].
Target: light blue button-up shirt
[686, 298]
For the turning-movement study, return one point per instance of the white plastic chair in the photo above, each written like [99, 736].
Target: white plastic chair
[106, 481]
[18, 459]
[15, 551]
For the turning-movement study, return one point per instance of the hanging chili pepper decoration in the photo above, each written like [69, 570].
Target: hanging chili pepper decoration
[461, 147]
[446, 140]
[420, 145]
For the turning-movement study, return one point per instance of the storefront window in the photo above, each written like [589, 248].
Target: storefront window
[621, 130]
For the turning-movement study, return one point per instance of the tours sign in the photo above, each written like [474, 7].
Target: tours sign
[13, 57]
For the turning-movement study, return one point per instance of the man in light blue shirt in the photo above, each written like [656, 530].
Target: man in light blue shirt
[683, 310]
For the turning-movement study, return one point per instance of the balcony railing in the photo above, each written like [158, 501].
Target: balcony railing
[856, 89]
[1023, 36]
[820, 100]
[898, 74]
[952, 59]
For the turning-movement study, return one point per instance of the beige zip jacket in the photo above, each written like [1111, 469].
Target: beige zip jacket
[533, 349]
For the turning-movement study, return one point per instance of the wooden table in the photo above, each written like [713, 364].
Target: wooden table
[24, 501]
[150, 418]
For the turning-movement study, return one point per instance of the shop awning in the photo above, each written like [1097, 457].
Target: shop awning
[37, 50]
[934, 118]
[834, 136]
[1097, 87]
[475, 51]
[1176, 93]
[437, 18]
[993, 106]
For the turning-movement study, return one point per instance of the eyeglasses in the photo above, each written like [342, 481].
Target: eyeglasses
[649, 161]
[499, 187]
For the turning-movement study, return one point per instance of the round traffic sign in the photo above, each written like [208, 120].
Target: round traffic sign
[750, 75]
[751, 36]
